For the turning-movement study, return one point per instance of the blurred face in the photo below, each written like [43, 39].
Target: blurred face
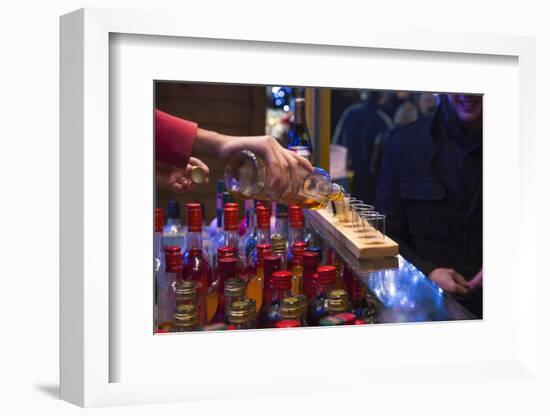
[468, 109]
[426, 102]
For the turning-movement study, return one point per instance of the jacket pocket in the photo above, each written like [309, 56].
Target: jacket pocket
[424, 203]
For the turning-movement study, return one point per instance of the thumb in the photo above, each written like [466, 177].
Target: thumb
[457, 277]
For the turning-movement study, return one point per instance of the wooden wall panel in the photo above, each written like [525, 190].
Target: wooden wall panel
[229, 109]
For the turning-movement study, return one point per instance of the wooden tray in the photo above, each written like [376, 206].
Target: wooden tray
[361, 248]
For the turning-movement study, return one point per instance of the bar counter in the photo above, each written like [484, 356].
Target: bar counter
[401, 291]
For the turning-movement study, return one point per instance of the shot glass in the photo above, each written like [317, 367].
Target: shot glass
[357, 209]
[373, 226]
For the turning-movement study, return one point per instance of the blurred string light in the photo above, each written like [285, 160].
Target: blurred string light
[281, 97]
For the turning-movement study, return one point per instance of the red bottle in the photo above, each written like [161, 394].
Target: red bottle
[310, 260]
[271, 314]
[227, 269]
[296, 250]
[195, 260]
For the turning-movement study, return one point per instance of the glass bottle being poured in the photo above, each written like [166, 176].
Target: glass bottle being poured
[246, 176]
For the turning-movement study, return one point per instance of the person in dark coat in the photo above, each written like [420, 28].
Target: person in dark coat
[430, 189]
[357, 130]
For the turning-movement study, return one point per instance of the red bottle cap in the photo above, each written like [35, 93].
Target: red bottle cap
[288, 323]
[310, 259]
[231, 327]
[173, 258]
[298, 249]
[359, 322]
[226, 251]
[230, 218]
[281, 280]
[194, 217]
[227, 267]
[231, 205]
[295, 216]
[327, 275]
[262, 215]
[272, 262]
[159, 219]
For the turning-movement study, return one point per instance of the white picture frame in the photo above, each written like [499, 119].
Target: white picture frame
[87, 357]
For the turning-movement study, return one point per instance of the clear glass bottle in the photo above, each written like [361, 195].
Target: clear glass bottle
[296, 231]
[246, 175]
[174, 232]
[278, 247]
[195, 263]
[281, 220]
[227, 270]
[318, 305]
[158, 266]
[166, 287]
[247, 242]
[310, 260]
[298, 136]
[271, 313]
[186, 318]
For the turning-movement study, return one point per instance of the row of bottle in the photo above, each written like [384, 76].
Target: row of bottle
[271, 272]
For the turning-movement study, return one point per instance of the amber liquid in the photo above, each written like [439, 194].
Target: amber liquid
[211, 305]
[297, 271]
[255, 288]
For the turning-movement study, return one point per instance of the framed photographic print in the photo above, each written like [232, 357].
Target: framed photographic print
[291, 214]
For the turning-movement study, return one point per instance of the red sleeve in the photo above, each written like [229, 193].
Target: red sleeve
[174, 138]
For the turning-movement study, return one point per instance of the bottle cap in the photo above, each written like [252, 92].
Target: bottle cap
[230, 218]
[337, 301]
[298, 249]
[159, 219]
[234, 287]
[186, 316]
[194, 217]
[272, 263]
[327, 275]
[302, 302]
[241, 311]
[360, 322]
[226, 251]
[290, 308]
[310, 259]
[288, 323]
[173, 259]
[317, 250]
[295, 216]
[281, 280]
[227, 267]
[262, 217]
[186, 289]
[198, 174]
[173, 209]
[278, 244]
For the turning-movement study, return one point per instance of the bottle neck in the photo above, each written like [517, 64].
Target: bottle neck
[279, 294]
[295, 235]
[158, 244]
[263, 235]
[194, 240]
[323, 289]
[231, 238]
[173, 221]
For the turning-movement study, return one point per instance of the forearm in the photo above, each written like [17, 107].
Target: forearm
[209, 144]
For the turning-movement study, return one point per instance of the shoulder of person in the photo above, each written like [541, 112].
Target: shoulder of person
[409, 135]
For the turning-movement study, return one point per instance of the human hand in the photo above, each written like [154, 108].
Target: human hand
[284, 167]
[450, 281]
[176, 179]
[477, 281]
